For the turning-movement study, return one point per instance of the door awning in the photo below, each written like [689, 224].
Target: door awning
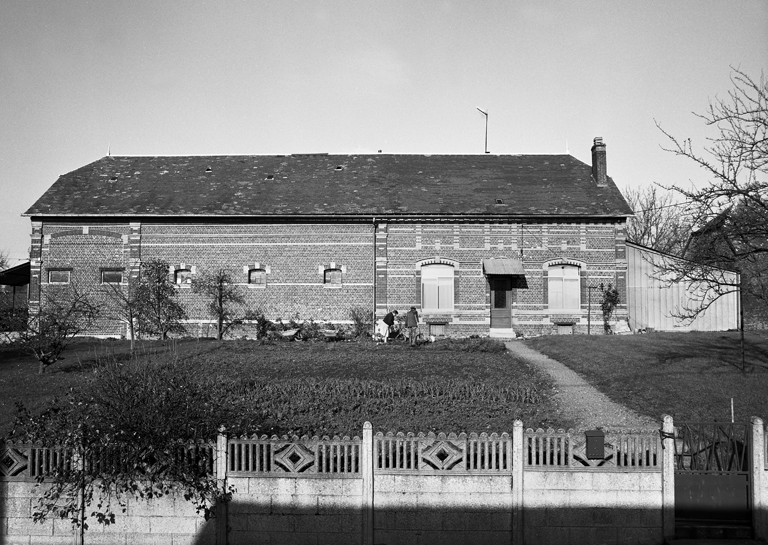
[503, 266]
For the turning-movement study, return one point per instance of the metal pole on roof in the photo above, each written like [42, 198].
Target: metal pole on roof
[485, 113]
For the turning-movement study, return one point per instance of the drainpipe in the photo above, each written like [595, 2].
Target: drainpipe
[374, 276]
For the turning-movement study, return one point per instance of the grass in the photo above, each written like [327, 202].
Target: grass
[321, 388]
[691, 376]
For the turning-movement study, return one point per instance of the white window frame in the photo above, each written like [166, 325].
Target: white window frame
[186, 280]
[52, 271]
[113, 271]
[564, 287]
[437, 285]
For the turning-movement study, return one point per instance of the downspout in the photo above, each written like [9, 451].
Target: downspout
[374, 276]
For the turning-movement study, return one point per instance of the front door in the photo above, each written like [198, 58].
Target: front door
[501, 302]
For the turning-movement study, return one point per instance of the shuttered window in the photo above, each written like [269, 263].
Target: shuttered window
[564, 290]
[437, 287]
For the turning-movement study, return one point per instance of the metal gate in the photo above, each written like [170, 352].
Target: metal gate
[712, 473]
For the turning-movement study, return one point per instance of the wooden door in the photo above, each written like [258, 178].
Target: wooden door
[501, 302]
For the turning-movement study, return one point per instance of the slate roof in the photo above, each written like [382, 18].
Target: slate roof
[332, 185]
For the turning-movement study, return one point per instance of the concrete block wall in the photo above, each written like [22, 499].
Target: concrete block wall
[517, 504]
[576, 507]
[295, 510]
[464, 509]
[167, 520]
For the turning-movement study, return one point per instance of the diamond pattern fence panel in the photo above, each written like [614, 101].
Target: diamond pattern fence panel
[309, 456]
[622, 450]
[473, 453]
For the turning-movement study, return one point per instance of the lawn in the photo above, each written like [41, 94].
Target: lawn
[691, 376]
[318, 387]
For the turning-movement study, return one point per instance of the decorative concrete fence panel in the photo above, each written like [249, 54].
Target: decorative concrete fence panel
[295, 490]
[528, 487]
[612, 495]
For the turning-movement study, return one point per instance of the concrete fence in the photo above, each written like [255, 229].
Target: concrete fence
[528, 487]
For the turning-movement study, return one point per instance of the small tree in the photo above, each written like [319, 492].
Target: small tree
[159, 311]
[62, 316]
[223, 299]
[609, 303]
[125, 304]
[3, 260]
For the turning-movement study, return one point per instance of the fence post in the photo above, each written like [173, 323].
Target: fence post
[366, 471]
[222, 511]
[757, 459]
[517, 482]
[668, 477]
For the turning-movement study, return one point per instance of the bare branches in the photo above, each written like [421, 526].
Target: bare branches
[658, 222]
[62, 317]
[223, 299]
[730, 213]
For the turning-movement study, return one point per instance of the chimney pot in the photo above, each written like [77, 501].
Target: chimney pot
[599, 167]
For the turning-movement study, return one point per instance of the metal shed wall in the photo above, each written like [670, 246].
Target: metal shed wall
[652, 303]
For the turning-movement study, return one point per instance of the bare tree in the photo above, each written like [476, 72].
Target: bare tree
[125, 304]
[223, 299]
[659, 222]
[62, 316]
[730, 213]
[159, 313]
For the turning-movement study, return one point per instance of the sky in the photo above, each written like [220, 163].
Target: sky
[80, 79]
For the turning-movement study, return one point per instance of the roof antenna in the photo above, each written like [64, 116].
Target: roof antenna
[109, 148]
[485, 113]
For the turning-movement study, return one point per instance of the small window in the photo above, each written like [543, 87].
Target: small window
[111, 277]
[183, 276]
[257, 277]
[58, 277]
[437, 329]
[332, 277]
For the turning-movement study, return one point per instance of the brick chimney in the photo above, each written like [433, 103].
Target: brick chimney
[599, 168]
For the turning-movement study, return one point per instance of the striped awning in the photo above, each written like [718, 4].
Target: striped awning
[503, 267]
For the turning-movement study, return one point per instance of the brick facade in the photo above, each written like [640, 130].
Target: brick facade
[380, 262]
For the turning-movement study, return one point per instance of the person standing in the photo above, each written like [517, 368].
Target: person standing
[389, 320]
[412, 323]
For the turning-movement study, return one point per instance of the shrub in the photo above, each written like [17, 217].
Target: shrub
[362, 322]
[479, 344]
[263, 325]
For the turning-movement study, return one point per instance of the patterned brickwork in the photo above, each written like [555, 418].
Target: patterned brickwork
[387, 255]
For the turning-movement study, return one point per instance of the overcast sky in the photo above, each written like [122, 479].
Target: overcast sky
[254, 77]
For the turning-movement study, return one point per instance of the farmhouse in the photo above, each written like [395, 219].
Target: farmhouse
[480, 244]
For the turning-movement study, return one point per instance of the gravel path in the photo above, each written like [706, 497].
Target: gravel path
[589, 408]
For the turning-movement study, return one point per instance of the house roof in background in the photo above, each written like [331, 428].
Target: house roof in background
[15, 276]
[329, 185]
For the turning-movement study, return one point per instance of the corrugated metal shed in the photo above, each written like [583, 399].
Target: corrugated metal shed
[653, 303]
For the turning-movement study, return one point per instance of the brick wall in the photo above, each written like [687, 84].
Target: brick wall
[294, 256]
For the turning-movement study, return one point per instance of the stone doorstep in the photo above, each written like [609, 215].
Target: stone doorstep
[499, 333]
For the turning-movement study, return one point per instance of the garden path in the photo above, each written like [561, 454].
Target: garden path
[578, 400]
